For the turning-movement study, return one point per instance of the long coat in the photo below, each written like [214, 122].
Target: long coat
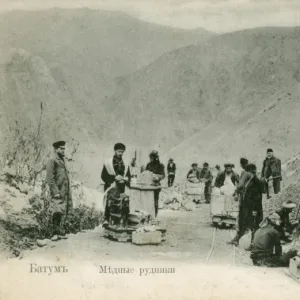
[252, 201]
[57, 178]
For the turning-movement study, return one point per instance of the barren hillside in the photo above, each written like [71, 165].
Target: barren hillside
[236, 94]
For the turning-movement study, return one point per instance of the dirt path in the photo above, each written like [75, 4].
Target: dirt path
[189, 237]
[204, 266]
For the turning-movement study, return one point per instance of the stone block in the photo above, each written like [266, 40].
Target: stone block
[146, 238]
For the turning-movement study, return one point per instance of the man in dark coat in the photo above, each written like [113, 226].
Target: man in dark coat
[114, 169]
[266, 242]
[171, 169]
[244, 178]
[228, 172]
[252, 202]
[271, 170]
[158, 170]
[207, 178]
[58, 181]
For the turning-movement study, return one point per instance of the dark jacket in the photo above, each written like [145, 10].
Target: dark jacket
[253, 194]
[221, 179]
[271, 167]
[156, 168]
[119, 169]
[252, 202]
[266, 239]
[57, 178]
[171, 168]
[207, 175]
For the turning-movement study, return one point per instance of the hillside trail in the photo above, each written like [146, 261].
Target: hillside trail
[203, 263]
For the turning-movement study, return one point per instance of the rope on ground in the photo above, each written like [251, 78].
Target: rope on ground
[212, 246]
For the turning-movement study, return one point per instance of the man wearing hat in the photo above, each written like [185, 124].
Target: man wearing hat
[244, 178]
[266, 249]
[252, 202]
[158, 171]
[286, 226]
[114, 169]
[227, 174]
[193, 175]
[271, 170]
[58, 181]
[171, 169]
[207, 178]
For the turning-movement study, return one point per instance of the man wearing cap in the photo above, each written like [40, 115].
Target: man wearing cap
[266, 249]
[207, 178]
[244, 178]
[227, 174]
[114, 169]
[193, 174]
[271, 170]
[171, 169]
[158, 173]
[252, 202]
[286, 225]
[58, 181]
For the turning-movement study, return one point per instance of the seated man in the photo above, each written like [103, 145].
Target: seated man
[193, 175]
[266, 242]
[116, 206]
[286, 225]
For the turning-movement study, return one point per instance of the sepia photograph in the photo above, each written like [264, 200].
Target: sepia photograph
[149, 149]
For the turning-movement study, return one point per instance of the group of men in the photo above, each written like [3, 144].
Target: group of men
[115, 175]
[266, 234]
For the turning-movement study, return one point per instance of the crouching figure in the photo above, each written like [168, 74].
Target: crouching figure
[116, 208]
[267, 250]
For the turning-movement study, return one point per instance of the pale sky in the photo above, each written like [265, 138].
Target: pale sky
[214, 15]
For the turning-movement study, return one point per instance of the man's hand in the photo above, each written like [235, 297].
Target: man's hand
[254, 213]
[126, 179]
[119, 178]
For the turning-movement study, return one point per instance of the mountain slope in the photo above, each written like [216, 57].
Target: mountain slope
[87, 49]
[207, 94]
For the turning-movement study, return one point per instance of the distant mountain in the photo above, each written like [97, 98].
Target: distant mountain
[234, 95]
[86, 49]
[70, 60]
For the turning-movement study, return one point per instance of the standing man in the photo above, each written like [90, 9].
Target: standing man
[244, 178]
[271, 171]
[171, 169]
[252, 201]
[158, 170]
[207, 178]
[114, 169]
[227, 174]
[58, 181]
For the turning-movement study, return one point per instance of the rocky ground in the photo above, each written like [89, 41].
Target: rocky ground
[205, 266]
